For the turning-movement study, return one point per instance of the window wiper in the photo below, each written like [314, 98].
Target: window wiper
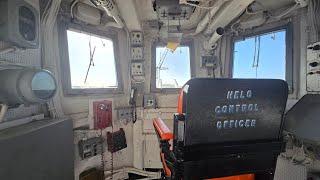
[91, 63]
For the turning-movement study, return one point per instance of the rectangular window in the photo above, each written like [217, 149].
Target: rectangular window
[262, 56]
[91, 60]
[172, 68]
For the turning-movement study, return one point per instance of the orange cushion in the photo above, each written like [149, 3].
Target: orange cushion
[162, 129]
[238, 177]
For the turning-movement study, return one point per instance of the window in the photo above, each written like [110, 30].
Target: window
[261, 56]
[91, 61]
[172, 68]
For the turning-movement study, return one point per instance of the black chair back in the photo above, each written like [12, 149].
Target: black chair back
[229, 127]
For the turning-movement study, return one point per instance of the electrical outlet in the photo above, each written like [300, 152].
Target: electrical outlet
[137, 69]
[149, 101]
[137, 53]
[136, 38]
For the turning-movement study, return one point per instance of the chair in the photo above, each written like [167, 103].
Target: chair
[227, 129]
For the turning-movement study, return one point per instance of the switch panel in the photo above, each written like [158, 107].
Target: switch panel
[102, 114]
[137, 53]
[137, 69]
[313, 67]
[136, 38]
[149, 101]
[209, 62]
[90, 147]
[125, 114]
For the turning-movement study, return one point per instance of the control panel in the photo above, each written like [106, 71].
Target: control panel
[102, 114]
[137, 53]
[136, 38]
[137, 69]
[313, 67]
[90, 147]
[209, 61]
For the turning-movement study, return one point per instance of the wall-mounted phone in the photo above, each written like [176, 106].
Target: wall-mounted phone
[133, 104]
[133, 93]
[116, 140]
[102, 114]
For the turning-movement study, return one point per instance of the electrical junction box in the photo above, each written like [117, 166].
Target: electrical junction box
[209, 61]
[136, 38]
[172, 10]
[19, 23]
[137, 53]
[313, 67]
[149, 101]
[90, 147]
[125, 115]
[86, 13]
[137, 69]
[102, 114]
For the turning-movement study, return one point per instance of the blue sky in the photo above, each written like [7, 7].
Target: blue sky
[272, 63]
[176, 64]
[103, 73]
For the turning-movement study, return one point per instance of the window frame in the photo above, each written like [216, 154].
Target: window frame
[65, 62]
[288, 27]
[187, 42]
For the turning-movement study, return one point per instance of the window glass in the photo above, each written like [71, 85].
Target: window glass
[92, 61]
[172, 68]
[43, 85]
[262, 56]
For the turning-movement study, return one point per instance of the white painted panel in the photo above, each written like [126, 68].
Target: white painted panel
[152, 152]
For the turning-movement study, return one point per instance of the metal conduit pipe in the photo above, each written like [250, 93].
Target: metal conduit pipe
[205, 21]
[7, 50]
[226, 14]
[111, 9]
[3, 111]
[216, 36]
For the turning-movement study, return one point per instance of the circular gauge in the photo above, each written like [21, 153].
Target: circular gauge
[43, 85]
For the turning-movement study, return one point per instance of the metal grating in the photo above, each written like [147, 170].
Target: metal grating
[287, 170]
[22, 112]
[28, 57]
